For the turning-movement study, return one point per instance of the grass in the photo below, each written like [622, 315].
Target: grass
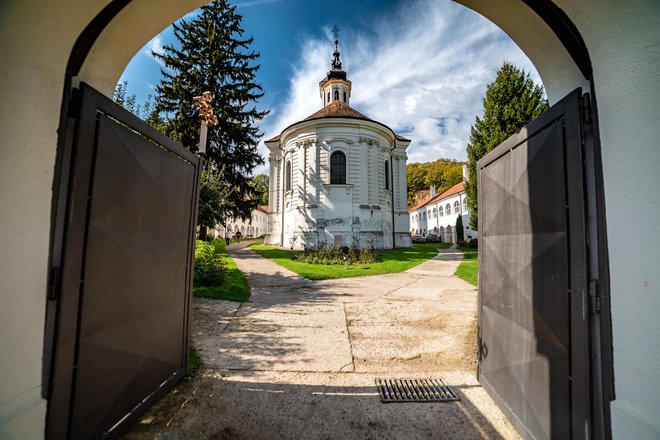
[235, 288]
[468, 270]
[393, 261]
[194, 361]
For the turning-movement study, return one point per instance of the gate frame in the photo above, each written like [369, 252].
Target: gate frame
[62, 318]
[593, 355]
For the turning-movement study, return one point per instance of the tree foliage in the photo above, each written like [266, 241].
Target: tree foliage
[260, 185]
[443, 173]
[512, 101]
[211, 54]
[460, 233]
[129, 102]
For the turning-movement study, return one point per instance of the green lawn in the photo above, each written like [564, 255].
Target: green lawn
[235, 288]
[396, 260]
[468, 270]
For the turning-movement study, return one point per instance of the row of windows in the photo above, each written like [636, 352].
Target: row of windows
[336, 95]
[440, 212]
[337, 171]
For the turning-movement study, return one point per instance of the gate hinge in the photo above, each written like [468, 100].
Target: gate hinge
[594, 297]
[53, 284]
[585, 106]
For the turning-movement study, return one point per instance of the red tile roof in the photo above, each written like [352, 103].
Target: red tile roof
[263, 208]
[443, 195]
[338, 109]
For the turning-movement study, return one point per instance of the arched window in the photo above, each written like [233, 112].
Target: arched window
[440, 210]
[338, 168]
[424, 216]
[387, 175]
[465, 204]
[435, 213]
[336, 95]
[344, 96]
[448, 209]
[328, 97]
[457, 207]
[287, 177]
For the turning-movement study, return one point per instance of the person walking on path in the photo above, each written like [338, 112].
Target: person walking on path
[227, 236]
[238, 236]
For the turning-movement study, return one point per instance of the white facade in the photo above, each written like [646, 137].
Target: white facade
[255, 226]
[621, 46]
[438, 215]
[337, 177]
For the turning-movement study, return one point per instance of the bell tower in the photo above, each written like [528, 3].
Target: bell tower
[335, 87]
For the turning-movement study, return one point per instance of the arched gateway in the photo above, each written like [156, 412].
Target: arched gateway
[604, 48]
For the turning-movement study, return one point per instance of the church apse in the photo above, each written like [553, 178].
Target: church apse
[340, 192]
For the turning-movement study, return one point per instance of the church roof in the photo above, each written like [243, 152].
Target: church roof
[263, 208]
[338, 109]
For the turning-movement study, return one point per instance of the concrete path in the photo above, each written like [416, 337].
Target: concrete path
[300, 358]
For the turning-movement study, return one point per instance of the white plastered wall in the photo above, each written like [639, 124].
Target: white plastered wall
[623, 40]
[36, 38]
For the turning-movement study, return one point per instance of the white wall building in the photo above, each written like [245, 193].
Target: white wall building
[338, 177]
[438, 215]
[255, 226]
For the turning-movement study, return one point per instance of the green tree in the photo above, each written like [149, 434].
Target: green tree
[512, 101]
[211, 54]
[121, 97]
[212, 193]
[260, 185]
[460, 236]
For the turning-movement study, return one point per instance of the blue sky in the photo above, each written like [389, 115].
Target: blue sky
[419, 66]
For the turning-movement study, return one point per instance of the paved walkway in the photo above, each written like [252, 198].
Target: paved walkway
[299, 359]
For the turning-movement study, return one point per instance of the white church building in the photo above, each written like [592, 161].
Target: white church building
[338, 177]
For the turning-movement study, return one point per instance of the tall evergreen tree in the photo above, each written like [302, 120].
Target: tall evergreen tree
[512, 101]
[211, 54]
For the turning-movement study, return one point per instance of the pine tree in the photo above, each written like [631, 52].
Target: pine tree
[512, 101]
[211, 54]
[460, 234]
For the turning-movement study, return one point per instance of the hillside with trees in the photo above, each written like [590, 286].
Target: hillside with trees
[443, 173]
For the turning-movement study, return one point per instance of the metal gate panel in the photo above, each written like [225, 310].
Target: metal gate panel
[532, 281]
[126, 278]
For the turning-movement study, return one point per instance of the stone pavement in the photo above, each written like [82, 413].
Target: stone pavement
[300, 358]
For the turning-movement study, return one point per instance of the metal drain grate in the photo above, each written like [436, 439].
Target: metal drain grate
[415, 390]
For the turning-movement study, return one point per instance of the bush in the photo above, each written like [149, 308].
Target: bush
[209, 269]
[330, 255]
[473, 244]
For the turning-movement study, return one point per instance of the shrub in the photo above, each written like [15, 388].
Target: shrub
[474, 243]
[209, 269]
[330, 255]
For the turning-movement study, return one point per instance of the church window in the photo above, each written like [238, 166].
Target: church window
[344, 96]
[328, 97]
[287, 178]
[435, 213]
[457, 207]
[336, 95]
[448, 209]
[465, 205]
[387, 175]
[338, 168]
[440, 211]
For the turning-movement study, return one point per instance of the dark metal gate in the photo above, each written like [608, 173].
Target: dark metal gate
[117, 335]
[533, 281]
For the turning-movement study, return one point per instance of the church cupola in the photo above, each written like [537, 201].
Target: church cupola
[335, 87]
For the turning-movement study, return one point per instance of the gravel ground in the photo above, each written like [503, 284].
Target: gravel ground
[299, 360]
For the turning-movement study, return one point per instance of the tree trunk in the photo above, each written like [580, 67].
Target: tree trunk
[202, 233]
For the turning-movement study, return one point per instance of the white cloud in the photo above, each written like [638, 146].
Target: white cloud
[422, 71]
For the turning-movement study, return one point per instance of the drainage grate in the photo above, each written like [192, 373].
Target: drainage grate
[415, 390]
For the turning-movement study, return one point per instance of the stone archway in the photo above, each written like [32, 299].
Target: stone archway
[45, 60]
